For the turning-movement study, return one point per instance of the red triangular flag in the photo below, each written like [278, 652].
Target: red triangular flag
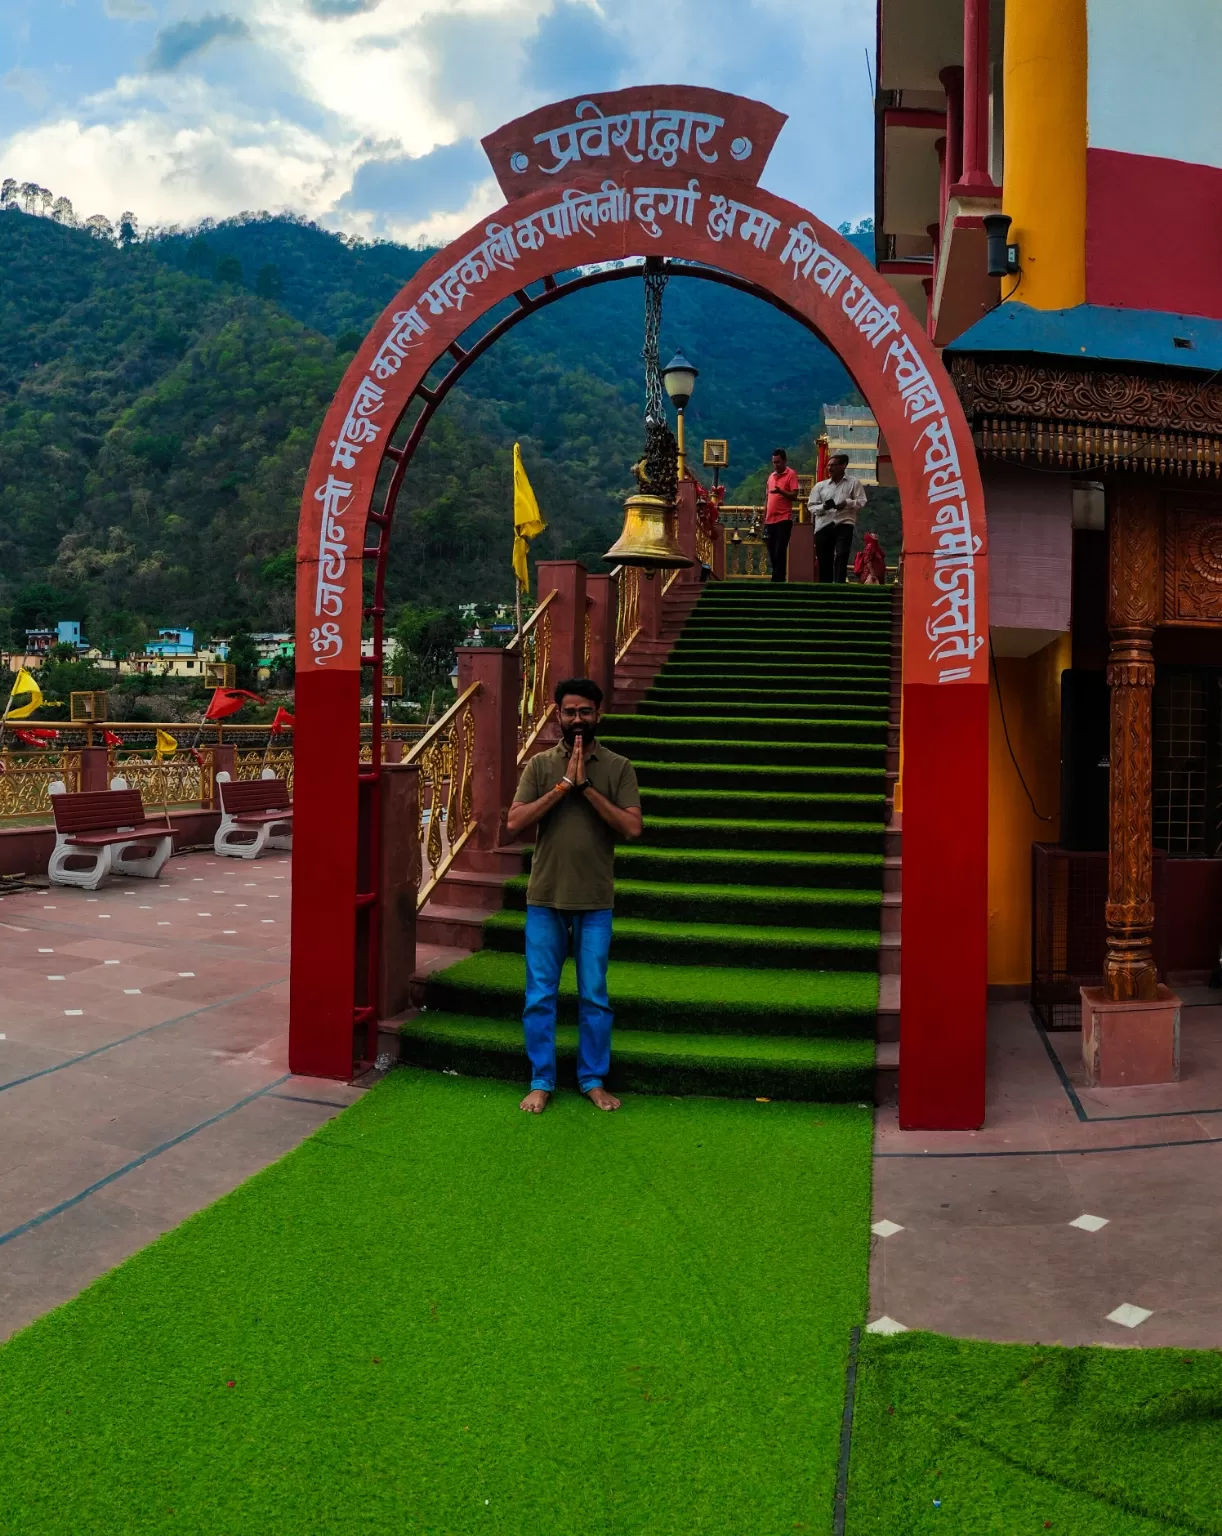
[111, 739]
[283, 720]
[36, 736]
[227, 701]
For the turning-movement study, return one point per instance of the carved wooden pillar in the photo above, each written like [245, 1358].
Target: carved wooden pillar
[1134, 608]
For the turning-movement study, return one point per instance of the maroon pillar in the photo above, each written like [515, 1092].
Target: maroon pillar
[567, 578]
[719, 553]
[685, 505]
[602, 596]
[94, 769]
[224, 760]
[802, 553]
[976, 95]
[494, 771]
[952, 84]
[649, 605]
[399, 872]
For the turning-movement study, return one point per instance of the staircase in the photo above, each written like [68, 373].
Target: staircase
[749, 931]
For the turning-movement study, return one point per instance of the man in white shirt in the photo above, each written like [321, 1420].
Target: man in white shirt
[834, 504]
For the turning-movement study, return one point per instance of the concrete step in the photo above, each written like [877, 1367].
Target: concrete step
[886, 1071]
[888, 954]
[505, 861]
[892, 908]
[893, 868]
[888, 1026]
[452, 927]
[470, 888]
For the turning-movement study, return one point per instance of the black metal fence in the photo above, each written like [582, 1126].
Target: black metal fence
[1068, 931]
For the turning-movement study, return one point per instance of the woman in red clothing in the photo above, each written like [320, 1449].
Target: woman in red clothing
[778, 512]
[870, 564]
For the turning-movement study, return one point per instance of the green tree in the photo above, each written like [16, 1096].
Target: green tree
[244, 656]
[268, 283]
[426, 638]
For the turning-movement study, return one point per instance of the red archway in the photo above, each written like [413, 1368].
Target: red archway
[669, 172]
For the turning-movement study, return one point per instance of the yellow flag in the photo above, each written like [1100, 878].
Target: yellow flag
[166, 744]
[527, 519]
[25, 684]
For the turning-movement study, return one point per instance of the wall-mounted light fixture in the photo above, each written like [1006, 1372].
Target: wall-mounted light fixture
[1002, 256]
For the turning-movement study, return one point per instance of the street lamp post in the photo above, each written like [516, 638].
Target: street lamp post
[679, 379]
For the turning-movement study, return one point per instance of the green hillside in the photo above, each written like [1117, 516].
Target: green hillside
[158, 404]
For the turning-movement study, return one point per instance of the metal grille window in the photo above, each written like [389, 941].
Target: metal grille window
[1186, 760]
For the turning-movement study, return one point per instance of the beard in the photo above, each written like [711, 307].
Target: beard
[570, 733]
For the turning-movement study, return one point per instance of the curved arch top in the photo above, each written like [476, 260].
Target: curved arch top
[722, 222]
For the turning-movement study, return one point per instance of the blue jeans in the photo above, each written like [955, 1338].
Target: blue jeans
[547, 944]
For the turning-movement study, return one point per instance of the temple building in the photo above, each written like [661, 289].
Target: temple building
[852, 429]
[1049, 175]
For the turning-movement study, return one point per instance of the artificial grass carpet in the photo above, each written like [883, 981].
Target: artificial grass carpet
[1013, 1438]
[442, 1316]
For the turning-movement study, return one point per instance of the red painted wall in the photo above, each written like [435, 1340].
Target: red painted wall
[1153, 233]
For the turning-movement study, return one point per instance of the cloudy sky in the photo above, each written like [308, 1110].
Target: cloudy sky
[367, 114]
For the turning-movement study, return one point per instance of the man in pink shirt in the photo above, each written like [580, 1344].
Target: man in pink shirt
[778, 512]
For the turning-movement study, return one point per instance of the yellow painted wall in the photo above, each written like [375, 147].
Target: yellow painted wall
[1044, 173]
[1031, 694]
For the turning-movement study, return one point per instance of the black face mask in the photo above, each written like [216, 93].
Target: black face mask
[570, 733]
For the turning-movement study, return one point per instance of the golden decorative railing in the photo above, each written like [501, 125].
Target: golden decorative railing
[250, 765]
[445, 756]
[26, 779]
[535, 702]
[177, 780]
[585, 644]
[742, 539]
[627, 608]
[705, 545]
[671, 578]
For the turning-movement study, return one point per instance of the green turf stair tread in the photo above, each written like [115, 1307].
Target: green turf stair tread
[760, 835]
[752, 752]
[765, 728]
[725, 1000]
[801, 905]
[658, 942]
[781, 869]
[764, 805]
[831, 1068]
[858, 778]
[701, 706]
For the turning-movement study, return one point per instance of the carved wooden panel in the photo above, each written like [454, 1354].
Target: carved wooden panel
[1005, 387]
[1135, 566]
[1192, 590]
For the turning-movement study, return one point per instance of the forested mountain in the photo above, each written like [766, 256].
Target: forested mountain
[159, 400]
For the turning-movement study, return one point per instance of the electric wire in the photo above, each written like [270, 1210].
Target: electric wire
[1001, 710]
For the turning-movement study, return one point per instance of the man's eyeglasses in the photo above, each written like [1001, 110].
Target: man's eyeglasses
[586, 713]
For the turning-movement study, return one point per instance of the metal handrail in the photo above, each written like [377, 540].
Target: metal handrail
[619, 575]
[516, 643]
[427, 739]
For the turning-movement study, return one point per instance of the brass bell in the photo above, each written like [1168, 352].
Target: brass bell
[650, 536]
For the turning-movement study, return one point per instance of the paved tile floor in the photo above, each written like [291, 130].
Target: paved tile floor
[985, 1235]
[143, 1064]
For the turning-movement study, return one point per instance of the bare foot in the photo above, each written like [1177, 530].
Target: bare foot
[535, 1101]
[601, 1099]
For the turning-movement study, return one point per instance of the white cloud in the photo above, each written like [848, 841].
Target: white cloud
[318, 88]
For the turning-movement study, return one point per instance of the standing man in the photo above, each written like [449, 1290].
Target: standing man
[582, 797]
[834, 504]
[783, 491]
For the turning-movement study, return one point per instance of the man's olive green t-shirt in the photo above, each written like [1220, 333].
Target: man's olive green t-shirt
[575, 850]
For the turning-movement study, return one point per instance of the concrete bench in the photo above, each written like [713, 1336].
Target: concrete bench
[102, 832]
[255, 814]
